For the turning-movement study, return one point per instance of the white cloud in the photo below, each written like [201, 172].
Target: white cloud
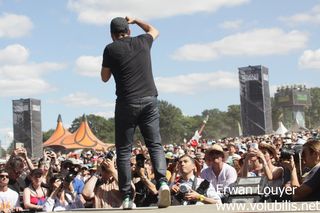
[99, 12]
[310, 59]
[273, 41]
[106, 115]
[24, 87]
[14, 54]
[233, 25]
[193, 83]
[19, 77]
[312, 16]
[89, 65]
[14, 26]
[29, 70]
[81, 99]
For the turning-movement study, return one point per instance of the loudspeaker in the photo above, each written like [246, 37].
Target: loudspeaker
[27, 126]
[255, 100]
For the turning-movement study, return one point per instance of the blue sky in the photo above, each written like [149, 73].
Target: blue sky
[51, 50]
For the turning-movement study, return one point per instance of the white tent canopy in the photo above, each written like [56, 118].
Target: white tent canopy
[282, 130]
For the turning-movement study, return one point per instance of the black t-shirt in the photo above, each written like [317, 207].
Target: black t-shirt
[314, 184]
[129, 60]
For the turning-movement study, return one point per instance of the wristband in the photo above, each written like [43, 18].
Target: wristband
[201, 198]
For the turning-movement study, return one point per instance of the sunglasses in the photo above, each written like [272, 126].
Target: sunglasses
[37, 175]
[4, 176]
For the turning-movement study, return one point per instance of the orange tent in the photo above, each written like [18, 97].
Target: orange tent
[83, 138]
[59, 134]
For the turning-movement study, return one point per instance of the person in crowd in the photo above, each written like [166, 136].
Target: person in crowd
[232, 155]
[255, 163]
[18, 166]
[72, 166]
[199, 157]
[34, 196]
[62, 196]
[271, 156]
[128, 59]
[278, 143]
[191, 189]
[145, 184]
[103, 186]
[9, 199]
[309, 189]
[218, 173]
[85, 173]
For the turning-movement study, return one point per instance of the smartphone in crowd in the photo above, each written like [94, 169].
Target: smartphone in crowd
[19, 145]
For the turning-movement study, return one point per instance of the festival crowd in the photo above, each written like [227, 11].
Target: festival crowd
[197, 173]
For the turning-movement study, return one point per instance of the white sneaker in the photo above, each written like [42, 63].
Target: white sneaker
[127, 204]
[164, 199]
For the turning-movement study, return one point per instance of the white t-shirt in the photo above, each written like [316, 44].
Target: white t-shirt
[9, 199]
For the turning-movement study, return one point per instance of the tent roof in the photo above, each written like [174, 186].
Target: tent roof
[281, 129]
[58, 135]
[83, 138]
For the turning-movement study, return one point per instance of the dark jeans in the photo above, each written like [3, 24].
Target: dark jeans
[142, 112]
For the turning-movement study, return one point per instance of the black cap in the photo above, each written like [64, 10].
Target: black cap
[119, 25]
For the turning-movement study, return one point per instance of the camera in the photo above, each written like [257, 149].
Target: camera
[184, 188]
[109, 155]
[288, 151]
[70, 177]
[140, 159]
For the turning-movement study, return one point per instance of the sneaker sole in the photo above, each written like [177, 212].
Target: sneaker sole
[164, 199]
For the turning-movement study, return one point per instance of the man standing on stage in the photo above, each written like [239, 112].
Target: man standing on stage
[128, 59]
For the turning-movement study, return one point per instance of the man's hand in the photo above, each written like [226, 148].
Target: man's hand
[192, 195]
[130, 20]
[109, 165]
[175, 188]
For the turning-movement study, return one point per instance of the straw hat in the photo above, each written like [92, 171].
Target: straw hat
[271, 148]
[215, 147]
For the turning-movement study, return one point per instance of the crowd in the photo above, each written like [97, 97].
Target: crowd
[197, 173]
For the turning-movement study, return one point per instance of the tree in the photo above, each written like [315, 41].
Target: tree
[216, 126]
[233, 118]
[46, 135]
[313, 112]
[171, 123]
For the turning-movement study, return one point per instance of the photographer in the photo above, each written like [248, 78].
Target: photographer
[62, 195]
[189, 189]
[103, 186]
[146, 191]
[18, 167]
[71, 167]
[309, 190]
[256, 164]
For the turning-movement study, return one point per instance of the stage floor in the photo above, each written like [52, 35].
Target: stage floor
[225, 208]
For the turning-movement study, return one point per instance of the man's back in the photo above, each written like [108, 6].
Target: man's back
[130, 63]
